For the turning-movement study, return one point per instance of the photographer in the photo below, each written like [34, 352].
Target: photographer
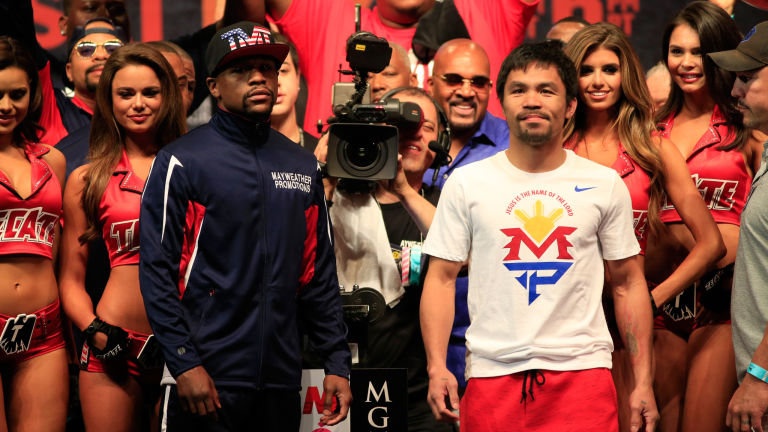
[401, 211]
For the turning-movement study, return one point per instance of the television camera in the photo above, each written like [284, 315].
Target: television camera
[363, 138]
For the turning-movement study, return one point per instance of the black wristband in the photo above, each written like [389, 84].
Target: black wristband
[323, 169]
[93, 327]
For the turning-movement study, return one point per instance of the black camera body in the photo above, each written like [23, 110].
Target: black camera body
[363, 138]
[362, 151]
[365, 149]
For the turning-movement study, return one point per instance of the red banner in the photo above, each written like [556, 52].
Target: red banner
[642, 20]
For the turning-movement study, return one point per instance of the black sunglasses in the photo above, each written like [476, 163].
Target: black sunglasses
[478, 82]
[87, 49]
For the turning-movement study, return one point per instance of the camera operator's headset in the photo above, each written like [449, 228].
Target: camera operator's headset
[442, 146]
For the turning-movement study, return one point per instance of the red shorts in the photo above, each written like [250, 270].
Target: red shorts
[554, 401]
[30, 335]
[128, 364]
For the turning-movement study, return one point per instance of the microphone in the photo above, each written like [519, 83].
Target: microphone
[441, 158]
[435, 147]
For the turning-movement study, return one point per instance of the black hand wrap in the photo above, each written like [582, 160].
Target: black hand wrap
[117, 340]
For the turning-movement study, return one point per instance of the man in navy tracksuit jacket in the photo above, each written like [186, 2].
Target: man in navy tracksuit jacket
[237, 258]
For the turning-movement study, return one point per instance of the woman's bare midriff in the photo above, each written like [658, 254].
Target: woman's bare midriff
[27, 284]
[121, 304]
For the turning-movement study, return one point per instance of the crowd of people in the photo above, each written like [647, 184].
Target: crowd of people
[566, 241]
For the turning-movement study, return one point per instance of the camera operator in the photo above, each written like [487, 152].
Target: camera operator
[405, 206]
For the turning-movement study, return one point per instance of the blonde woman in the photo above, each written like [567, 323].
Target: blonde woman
[613, 126]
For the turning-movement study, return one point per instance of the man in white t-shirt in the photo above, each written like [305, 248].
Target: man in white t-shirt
[539, 227]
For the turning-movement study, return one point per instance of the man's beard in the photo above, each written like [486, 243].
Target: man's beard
[91, 86]
[750, 122]
[534, 139]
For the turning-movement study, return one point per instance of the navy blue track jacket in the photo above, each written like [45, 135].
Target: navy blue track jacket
[237, 256]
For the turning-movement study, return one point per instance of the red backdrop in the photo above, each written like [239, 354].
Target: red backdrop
[642, 20]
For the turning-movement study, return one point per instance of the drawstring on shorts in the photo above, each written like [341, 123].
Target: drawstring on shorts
[530, 377]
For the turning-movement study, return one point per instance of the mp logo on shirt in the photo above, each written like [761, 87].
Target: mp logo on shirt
[538, 253]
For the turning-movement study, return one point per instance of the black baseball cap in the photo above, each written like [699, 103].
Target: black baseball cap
[750, 54]
[243, 39]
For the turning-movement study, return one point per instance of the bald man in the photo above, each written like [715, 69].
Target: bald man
[564, 29]
[396, 74]
[462, 86]
[659, 83]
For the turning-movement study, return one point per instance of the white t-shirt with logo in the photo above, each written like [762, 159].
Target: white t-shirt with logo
[536, 244]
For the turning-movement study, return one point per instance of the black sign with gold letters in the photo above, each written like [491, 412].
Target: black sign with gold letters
[380, 400]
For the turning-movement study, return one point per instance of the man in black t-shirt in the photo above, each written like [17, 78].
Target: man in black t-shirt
[407, 207]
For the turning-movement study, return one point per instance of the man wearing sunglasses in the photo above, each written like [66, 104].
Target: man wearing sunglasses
[64, 113]
[76, 12]
[498, 25]
[86, 62]
[461, 85]
[16, 20]
[89, 48]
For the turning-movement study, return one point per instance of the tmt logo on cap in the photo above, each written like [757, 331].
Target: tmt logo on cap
[243, 39]
[239, 39]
